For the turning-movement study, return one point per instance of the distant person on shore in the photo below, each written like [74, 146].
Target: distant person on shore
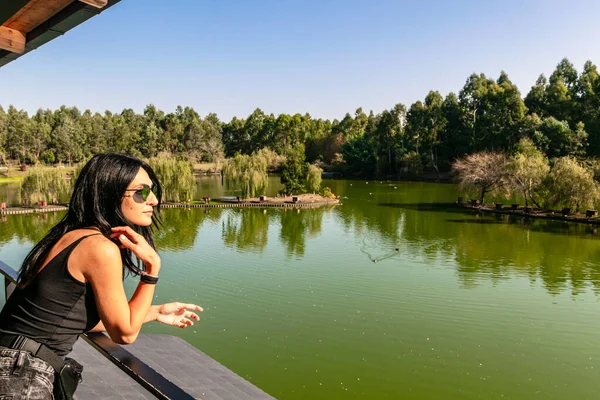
[71, 282]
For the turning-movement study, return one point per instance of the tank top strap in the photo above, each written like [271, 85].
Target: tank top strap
[67, 250]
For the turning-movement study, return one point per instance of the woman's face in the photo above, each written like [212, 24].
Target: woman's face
[137, 210]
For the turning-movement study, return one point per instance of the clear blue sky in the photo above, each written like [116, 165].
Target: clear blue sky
[324, 57]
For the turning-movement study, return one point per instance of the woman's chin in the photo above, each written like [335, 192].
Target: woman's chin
[143, 221]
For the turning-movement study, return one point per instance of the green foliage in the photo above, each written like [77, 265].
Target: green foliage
[561, 114]
[247, 173]
[557, 139]
[48, 157]
[358, 155]
[44, 184]
[274, 160]
[294, 170]
[412, 165]
[528, 170]
[571, 185]
[314, 178]
[176, 178]
[326, 192]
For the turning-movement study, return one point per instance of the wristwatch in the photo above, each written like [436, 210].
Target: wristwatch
[150, 279]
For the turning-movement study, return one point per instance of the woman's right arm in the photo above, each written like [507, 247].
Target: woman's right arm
[104, 271]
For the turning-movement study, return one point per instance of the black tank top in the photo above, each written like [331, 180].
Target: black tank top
[54, 308]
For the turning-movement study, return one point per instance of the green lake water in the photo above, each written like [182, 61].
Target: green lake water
[458, 305]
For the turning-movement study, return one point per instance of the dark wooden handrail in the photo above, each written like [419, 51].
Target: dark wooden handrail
[138, 370]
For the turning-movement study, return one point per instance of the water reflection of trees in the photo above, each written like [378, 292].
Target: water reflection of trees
[297, 226]
[561, 256]
[30, 228]
[563, 261]
[179, 230]
[564, 256]
[181, 225]
[246, 229]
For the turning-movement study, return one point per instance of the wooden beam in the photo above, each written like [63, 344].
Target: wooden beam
[95, 3]
[35, 13]
[12, 40]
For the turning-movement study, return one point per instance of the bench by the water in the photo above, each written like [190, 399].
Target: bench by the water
[154, 366]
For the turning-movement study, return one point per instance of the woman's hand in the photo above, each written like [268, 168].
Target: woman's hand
[135, 242]
[177, 314]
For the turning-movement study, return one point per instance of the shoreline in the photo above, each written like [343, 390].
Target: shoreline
[304, 201]
[535, 213]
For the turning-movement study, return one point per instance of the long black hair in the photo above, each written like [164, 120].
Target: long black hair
[96, 202]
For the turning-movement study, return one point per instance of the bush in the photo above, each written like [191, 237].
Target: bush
[328, 193]
[48, 157]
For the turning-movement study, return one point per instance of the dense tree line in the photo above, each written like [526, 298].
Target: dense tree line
[561, 114]
[68, 135]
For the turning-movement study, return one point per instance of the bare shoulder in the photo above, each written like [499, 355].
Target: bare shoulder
[99, 248]
[94, 254]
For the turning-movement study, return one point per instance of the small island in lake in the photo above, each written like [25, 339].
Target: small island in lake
[300, 198]
[307, 199]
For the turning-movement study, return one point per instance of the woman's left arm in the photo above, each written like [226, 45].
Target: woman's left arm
[175, 314]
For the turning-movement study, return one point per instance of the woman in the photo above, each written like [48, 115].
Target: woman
[72, 280]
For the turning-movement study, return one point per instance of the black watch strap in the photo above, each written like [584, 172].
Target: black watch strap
[150, 279]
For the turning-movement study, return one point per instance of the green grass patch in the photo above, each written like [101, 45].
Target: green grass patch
[210, 202]
[11, 179]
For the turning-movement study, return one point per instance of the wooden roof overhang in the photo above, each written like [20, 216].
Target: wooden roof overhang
[25, 25]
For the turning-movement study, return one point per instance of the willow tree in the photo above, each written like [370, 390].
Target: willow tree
[44, 185]
[176, 177]
[247, 173]
[529, 167]
[571, 185]
[313, 178]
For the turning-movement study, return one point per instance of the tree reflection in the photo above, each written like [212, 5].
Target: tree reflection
[418, 219]
[297, 225]
[246, 230]
[180, 227]
[29, 228]
[497, 247]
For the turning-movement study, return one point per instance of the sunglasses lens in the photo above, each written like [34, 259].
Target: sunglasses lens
[145, 192]
[142, 194]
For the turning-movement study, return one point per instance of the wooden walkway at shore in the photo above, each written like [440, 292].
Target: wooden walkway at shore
[534, 214]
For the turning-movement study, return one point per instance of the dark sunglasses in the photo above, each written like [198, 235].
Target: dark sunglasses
[141, 195]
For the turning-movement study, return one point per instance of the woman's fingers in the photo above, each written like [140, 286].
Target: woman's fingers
[185, 323]
[127, 231]
[193, 307]
[126, 242]
[135, 242]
